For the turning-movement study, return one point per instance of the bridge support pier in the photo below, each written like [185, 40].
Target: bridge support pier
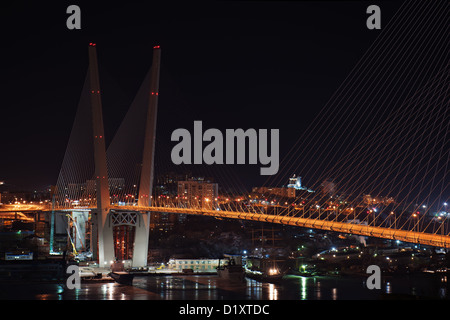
[105, 240]
[94, 235]
[140, 249]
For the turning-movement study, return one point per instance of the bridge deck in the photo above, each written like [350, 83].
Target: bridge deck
[344, 227]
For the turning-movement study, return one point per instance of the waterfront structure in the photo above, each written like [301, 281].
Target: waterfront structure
[196, 265]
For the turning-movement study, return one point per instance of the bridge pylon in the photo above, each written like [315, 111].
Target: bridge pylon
[140, 250]
[101, 220]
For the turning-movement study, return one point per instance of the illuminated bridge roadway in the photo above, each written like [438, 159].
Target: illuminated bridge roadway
[431, 239]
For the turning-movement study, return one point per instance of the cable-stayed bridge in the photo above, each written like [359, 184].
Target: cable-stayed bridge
[383, 133]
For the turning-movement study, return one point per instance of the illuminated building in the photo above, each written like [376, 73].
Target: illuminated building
[198, 192]
[368, 199]
[281, 192]
[295, 182]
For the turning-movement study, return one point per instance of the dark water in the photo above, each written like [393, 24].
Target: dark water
[213, 288]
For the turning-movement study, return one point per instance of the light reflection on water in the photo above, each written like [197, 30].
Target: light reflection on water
[213, 288]
[303, 288]
[191, 287]
[273, 292]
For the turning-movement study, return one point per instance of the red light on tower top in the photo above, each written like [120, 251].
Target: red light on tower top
[156, 47]
[92, 44]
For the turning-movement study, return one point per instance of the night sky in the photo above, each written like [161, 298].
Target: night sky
[231, 64]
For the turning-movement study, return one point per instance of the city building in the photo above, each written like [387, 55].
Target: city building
[163, 221]
[167, 183]
[294, 189]
[295, 182]
[369, 200]
[279, 192]
[198, 192]
[10, 197]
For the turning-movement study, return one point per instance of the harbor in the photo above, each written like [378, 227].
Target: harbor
[212, 287]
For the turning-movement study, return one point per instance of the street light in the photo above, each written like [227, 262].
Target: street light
[393, 217]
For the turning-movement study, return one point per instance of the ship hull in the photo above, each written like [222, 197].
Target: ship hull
[122, 277]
